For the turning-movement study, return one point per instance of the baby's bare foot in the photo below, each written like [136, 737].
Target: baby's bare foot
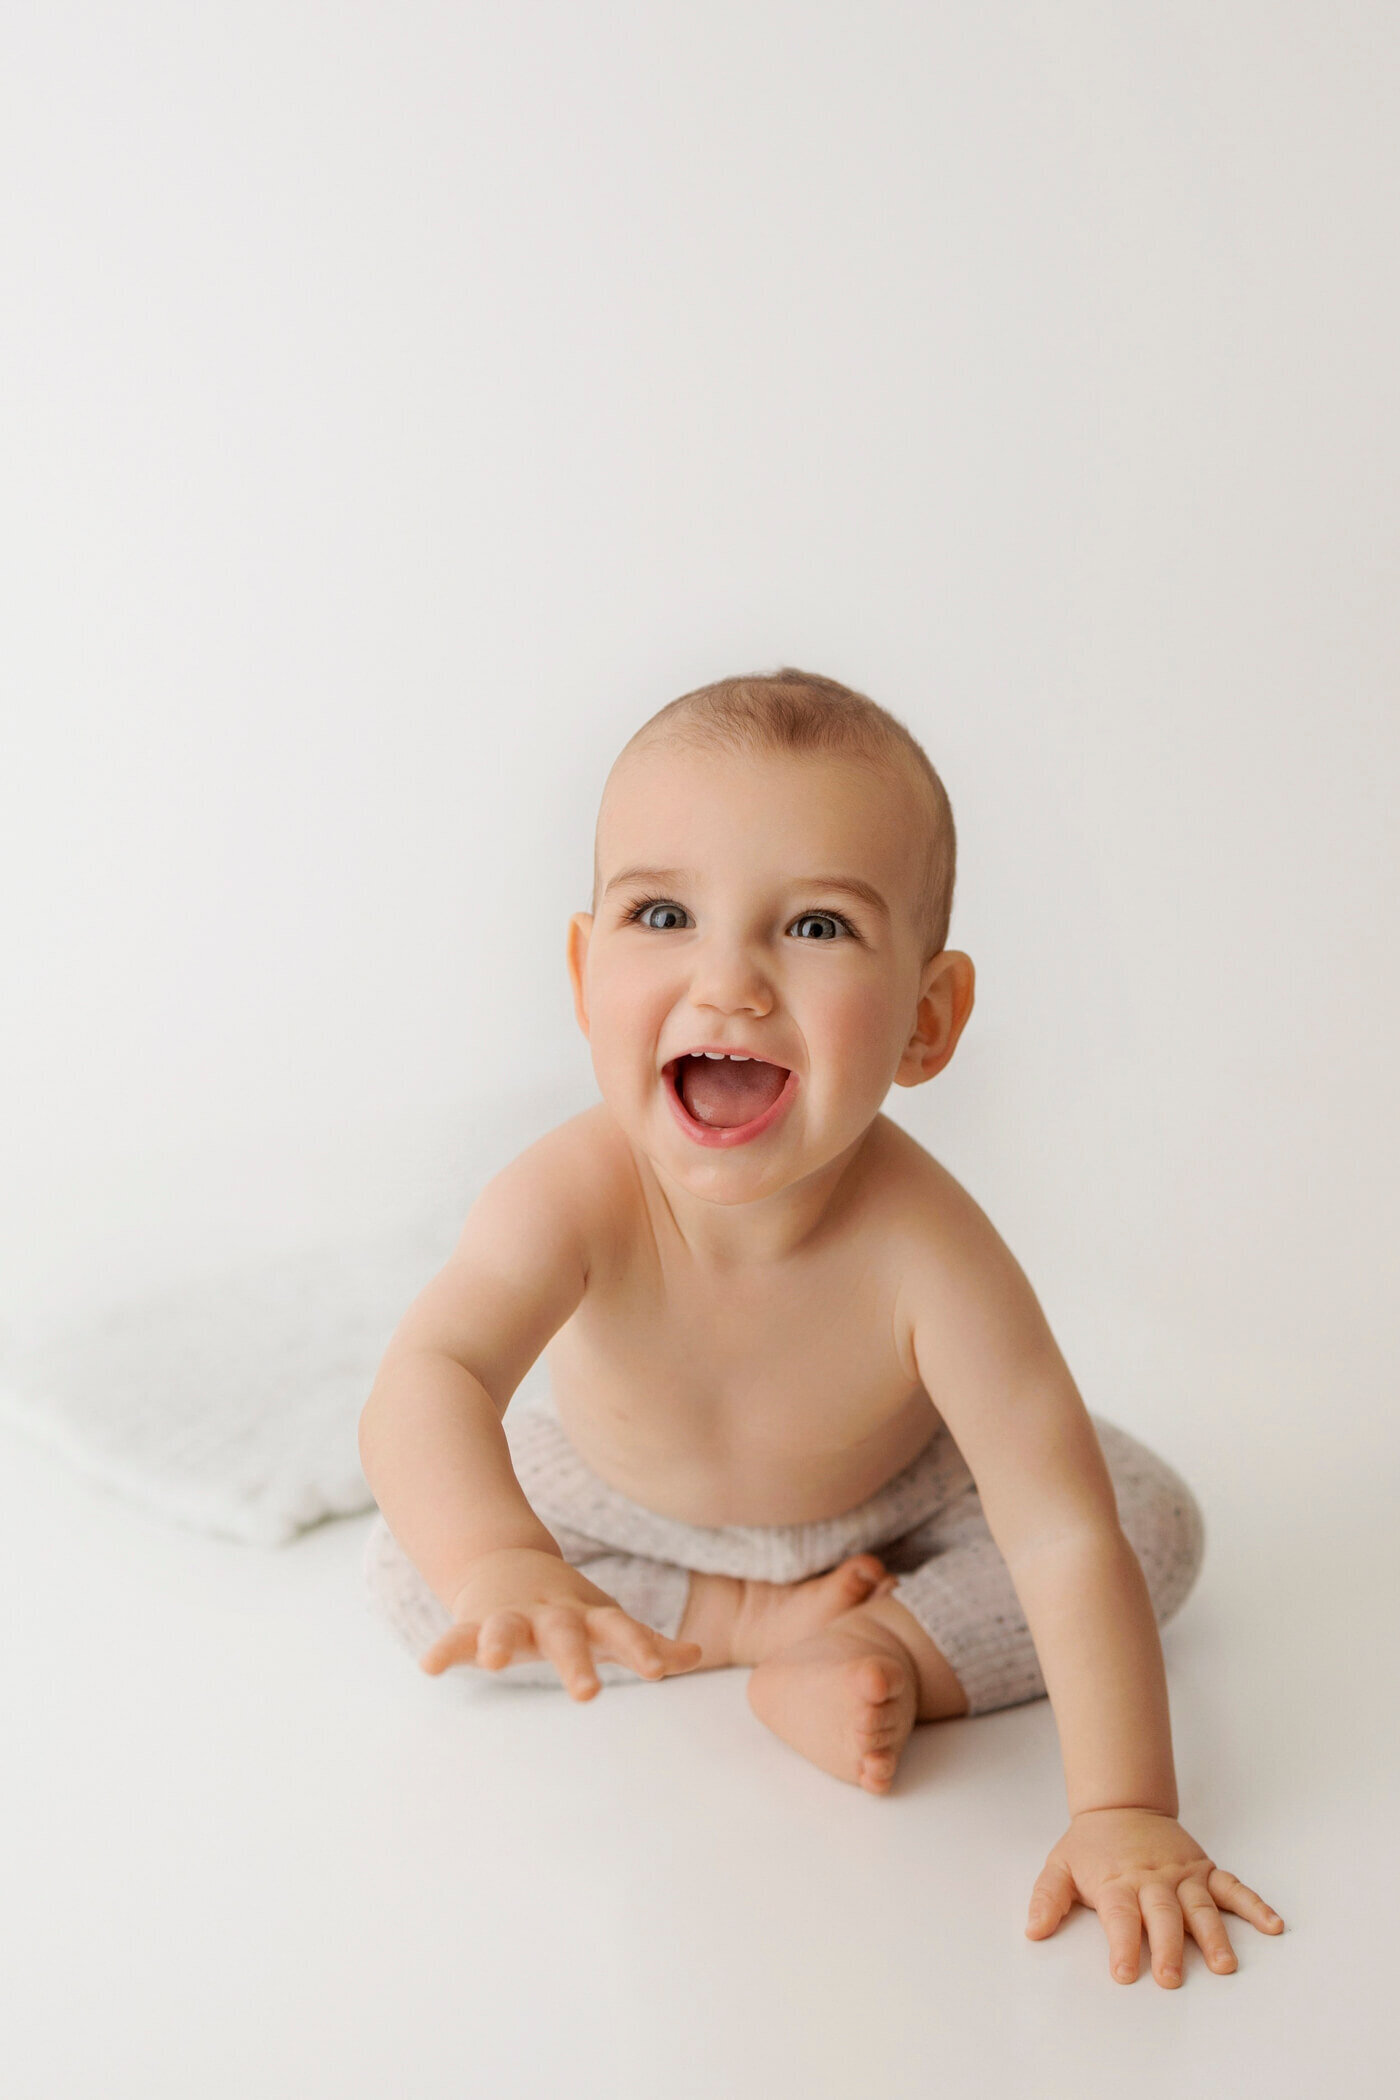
[772, 1615]
[845, 1698]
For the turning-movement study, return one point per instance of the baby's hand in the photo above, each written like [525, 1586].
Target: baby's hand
[1136, 1866]
[520, 1603]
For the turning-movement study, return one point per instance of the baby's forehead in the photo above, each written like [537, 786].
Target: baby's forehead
[808, 778]
[770, 806]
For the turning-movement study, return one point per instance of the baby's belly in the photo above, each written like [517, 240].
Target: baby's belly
[698, 1467]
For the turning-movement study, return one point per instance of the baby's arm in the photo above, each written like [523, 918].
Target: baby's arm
[435, 1453]
[984, 1351]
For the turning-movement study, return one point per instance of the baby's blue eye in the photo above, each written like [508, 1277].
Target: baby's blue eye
[671, 917]
[676, 915]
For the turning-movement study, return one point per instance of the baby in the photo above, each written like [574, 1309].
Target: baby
[806, 1414]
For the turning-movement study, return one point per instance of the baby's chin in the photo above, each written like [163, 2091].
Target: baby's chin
[719, 1158]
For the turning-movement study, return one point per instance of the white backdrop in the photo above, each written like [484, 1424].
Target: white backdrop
[399, 403]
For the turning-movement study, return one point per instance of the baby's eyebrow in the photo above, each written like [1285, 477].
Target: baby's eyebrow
[850, 884]
[649, 875]
[853, 887]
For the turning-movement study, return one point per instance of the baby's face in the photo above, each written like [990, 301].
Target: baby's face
[744, 938]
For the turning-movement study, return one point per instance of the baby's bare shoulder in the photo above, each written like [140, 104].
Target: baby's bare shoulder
[584, 1166]
[910, 1190]
[961, 1292]
[925, 1215]
[523, 1259]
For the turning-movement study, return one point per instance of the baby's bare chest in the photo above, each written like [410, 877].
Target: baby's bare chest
[770, 1397]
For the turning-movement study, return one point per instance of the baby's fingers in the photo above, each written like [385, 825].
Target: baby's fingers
[675, 1655]
[1051, 1900]
[1122, 1921]
[1207, 1926]
[501, 1634]
[561, 1638]
[457, 1645]
[1231, 1894]
[641, 1648]
[1166, 1931]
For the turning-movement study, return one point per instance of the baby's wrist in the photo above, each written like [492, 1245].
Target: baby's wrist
[1124, 1808]
[470, 1574]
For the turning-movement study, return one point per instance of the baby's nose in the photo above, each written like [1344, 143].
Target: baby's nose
[730, 979]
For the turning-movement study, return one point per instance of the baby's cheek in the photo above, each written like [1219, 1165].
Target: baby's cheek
[861, 1037]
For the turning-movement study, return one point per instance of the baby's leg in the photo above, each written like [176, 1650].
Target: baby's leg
[962, 1596]
[747, 1621]
[734, 1621]
[951, 1637]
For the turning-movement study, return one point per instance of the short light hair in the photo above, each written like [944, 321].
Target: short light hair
[790, 710]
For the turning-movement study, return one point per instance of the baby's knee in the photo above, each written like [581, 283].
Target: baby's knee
[1161, 1519]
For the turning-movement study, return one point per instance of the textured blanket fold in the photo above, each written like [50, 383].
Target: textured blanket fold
[232, 1404]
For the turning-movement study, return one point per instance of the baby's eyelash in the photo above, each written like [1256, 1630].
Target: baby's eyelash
[635, 911]
[821, 912]
[645, 904]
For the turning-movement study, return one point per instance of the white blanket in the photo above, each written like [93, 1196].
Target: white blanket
[233, 1404]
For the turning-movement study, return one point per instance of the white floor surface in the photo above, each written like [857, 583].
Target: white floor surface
[251, 1851]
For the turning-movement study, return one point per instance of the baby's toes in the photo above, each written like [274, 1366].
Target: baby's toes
[883, 1721]
[880, 1680]
[877, 1770]
[877, 1728]
[853, 1583]
[859, 1575]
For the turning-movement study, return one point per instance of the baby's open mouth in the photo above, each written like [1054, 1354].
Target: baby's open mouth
[725, 1092]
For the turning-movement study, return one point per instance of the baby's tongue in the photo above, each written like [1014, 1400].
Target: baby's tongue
[717, 1091]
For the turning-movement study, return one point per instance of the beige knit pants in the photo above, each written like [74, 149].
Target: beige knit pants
[926, 1524]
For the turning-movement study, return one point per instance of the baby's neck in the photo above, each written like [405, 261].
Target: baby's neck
[772, 1228]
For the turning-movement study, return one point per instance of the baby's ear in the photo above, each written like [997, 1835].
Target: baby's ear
[944, 1006]
[580, 928]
